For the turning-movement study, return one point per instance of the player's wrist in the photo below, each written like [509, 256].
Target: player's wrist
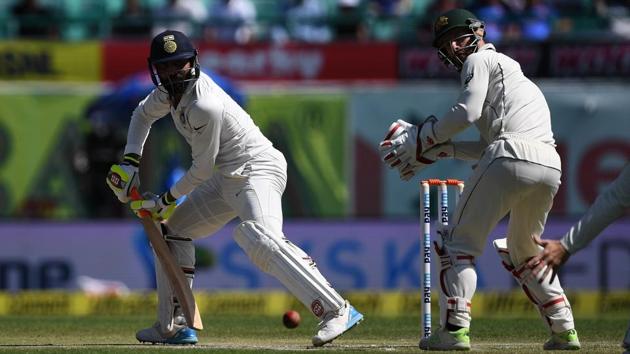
[167, 198]
[565, 246]
[132, 159]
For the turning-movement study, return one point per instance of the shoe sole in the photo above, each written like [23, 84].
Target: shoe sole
[166, 343]
[564, 347]
[462, 348]
[458, 349]
[178, 339]
[354, 321]
[178, 342]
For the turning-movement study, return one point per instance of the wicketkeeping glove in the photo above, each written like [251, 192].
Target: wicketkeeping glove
[399, 143]
[160, 207]
[413, 167]
[405, 142]
[122, 177]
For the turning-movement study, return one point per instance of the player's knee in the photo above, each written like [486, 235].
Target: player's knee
[500, 245]
[257, 242]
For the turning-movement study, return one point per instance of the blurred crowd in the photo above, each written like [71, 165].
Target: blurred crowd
[312, 21]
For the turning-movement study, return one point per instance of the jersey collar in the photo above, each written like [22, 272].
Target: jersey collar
[487, 46]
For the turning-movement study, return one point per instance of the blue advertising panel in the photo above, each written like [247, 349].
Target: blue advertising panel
[353, 255]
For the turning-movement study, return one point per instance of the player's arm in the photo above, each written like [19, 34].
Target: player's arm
[475, 78]
[205, 122]
[609, 206]
[152, 108]
[205, 118]
[469, 150]
[123, 177]
[416, 140]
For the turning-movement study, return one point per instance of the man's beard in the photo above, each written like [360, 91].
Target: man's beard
[176, 85]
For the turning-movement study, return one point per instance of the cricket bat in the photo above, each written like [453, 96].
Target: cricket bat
[171, 268]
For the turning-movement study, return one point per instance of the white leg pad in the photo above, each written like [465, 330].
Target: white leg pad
[553, 305]
[458, 282]
[276, 255]
[183, 251]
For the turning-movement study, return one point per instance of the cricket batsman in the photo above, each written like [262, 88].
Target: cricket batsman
[517, 172]
[235, 172]
[610, 205]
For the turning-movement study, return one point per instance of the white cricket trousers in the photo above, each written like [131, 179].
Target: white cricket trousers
[253, 194]
[523, 189]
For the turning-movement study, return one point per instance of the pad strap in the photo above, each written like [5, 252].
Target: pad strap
[458, 304]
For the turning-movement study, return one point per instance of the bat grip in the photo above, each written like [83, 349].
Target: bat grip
[135, 195]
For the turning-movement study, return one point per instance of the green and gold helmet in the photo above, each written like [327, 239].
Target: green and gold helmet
[452, 19]
[456, 24]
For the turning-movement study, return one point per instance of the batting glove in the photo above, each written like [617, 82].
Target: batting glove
[159, 207]
[122, 177]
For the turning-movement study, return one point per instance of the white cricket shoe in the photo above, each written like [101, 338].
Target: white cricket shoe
[182, 335]
[336, 323]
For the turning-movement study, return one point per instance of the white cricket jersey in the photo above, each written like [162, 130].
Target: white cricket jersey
[220, 133]
[507, 108]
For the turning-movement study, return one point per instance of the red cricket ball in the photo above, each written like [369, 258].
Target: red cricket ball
[291, 319]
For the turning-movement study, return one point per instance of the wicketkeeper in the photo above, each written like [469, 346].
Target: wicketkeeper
[235, 172]
[517, 173]
[608, 207]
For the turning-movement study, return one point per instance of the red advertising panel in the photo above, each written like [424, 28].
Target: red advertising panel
[334, 61]
[423, 63]
[416, 63]
[579, 60]
[123, 58]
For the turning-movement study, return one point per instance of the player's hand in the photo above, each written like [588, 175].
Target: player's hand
[122, 177]
[399, 144]
[159, 207]
[402, 143]
[410, 168]
[549, 259]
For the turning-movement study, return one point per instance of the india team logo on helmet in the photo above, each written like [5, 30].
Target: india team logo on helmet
[169, 44]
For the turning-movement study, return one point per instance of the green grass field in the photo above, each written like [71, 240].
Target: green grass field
[248, 334]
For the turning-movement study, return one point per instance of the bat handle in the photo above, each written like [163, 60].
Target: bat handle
[135, 195]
